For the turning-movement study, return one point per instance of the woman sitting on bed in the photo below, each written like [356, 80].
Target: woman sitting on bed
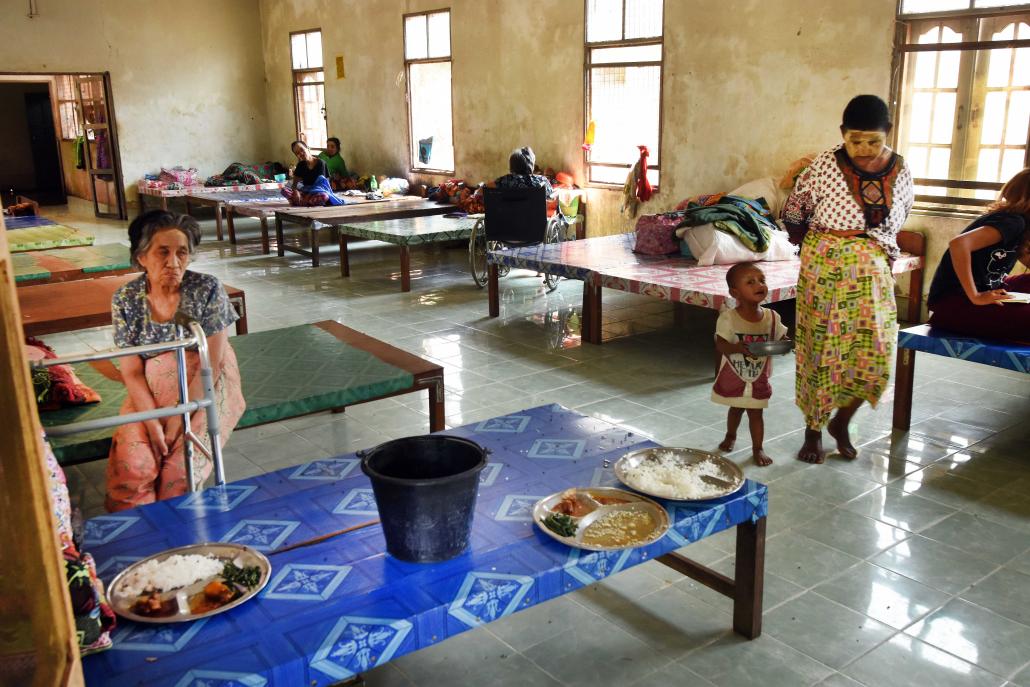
[974, 271]
[310, 185]
[147, 461]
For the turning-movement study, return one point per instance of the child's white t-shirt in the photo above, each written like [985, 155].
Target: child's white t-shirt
[743, 380]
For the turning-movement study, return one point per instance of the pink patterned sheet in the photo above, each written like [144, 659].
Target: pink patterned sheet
[611, 262]
[158, 188]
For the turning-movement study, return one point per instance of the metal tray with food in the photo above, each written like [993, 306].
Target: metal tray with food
[679, 474]
[189, 582]
[601, 518]
[761, 349]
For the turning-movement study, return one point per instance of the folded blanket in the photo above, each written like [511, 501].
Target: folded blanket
[322, 185]
[745, 219]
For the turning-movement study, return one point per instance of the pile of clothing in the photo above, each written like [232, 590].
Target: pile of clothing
[242, 174]
[748, 221]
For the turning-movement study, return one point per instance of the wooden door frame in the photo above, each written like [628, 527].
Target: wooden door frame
[42, 78]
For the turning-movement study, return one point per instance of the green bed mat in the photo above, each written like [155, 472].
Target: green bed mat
[42, 238]
[285, 373]
[105, 257]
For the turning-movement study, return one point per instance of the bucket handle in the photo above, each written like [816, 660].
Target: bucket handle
[361, 453]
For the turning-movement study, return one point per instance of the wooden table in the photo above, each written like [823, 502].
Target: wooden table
[224, 201]
[74, 305]
[313, 220]
[339, 607]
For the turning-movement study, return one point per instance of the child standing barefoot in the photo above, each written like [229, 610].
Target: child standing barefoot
[742, 382]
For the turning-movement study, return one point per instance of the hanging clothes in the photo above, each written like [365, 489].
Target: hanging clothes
[80, 152]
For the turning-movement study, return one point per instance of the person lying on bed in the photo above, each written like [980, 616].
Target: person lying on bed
[310, 186]
[521, 164]
[974, 271]
[146, 462]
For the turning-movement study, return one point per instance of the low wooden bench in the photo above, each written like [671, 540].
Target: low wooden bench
[1005, 355]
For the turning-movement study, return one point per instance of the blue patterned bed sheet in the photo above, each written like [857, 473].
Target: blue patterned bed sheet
[342, 607]
[28, 222]
[1006, 355]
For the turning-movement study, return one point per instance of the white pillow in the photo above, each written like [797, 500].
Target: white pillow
[767, 188]
[713, 247]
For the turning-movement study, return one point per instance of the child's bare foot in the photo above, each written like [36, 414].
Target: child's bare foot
[761, 458]
[812, 450]
[728, 442]
[844, 446]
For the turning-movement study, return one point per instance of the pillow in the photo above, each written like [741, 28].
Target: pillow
[57, 386]
[713, 247]
[766, 188]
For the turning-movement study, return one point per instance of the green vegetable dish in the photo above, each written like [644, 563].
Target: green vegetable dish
[246, 577]
[561, 524]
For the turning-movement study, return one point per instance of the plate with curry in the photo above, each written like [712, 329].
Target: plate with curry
[601, 518]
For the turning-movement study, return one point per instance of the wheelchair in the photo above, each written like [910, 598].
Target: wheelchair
[513, 218]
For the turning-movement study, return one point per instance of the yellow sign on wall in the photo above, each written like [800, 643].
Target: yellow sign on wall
[340, 73]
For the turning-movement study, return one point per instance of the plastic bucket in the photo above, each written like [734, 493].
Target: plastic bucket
[425, 489]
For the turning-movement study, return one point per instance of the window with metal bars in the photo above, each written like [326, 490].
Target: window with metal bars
[963, 98]
[309, 87]
[67, 106]
[427, 63]
[624, 59]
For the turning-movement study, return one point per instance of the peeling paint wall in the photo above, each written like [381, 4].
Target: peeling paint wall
[187, 77]
[749, 86]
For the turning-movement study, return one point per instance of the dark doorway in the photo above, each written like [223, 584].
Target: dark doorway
[43, 142]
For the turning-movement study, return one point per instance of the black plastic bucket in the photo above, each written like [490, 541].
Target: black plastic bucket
[425, 489]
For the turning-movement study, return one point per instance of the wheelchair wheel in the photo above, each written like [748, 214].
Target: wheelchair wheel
[556, 229]
[477, 254]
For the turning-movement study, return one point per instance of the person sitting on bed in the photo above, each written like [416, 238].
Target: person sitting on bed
[146, 462]
[310, 185]
[521, 164]
[975, 269]
[334, 162]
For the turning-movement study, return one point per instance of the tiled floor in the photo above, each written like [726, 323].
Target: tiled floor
[909, 566]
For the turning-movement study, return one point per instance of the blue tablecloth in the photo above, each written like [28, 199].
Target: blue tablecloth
[343, 606]
[27, 222]
[1010, 356]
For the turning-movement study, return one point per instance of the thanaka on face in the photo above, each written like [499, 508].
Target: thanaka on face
[864, 146]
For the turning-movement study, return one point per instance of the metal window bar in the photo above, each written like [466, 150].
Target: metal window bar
[184, 408]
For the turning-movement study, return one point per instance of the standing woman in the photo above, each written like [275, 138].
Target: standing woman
[854, 198]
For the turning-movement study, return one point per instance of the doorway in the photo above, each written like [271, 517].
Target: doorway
[66, 142]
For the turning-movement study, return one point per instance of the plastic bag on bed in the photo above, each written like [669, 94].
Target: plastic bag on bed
[711, 246]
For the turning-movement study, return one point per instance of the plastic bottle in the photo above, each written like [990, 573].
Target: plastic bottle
[373, 185]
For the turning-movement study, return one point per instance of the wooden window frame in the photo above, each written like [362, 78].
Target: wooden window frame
[72, 102]
[412, 151]
[970, 94]
[297, 83]
[588, 66]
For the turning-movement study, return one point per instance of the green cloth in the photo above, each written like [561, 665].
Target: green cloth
[337, 167]
[284, 372]
[80, 153]
[50, 236]
[106, 257]
[741, 218]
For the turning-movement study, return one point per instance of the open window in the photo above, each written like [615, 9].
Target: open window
[309, 88]
[427, 63]
[624, 61]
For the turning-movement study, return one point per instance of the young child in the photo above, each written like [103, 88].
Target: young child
[742, 382]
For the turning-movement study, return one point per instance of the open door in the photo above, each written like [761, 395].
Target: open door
[101, 144]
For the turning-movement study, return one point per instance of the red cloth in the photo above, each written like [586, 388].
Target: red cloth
[1010, 321]
[644, 190]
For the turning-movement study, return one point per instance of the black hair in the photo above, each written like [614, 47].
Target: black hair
[866, 113]
[299, 143]
[733, 273]
[333, 139]
[143, 228]
[522, 161]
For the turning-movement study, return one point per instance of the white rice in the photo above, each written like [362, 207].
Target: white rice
[671, 479]
[172, 573]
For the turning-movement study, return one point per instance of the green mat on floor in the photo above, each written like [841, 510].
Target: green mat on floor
[285, 373]
[42, 238]
[38, 264]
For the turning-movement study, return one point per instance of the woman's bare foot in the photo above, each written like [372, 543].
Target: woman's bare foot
[761, 458]
[812, 450]
[728, 443]
[844, 446]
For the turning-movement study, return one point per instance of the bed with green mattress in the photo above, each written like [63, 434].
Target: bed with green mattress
[46, 237]
[285, 373]
[71, 264]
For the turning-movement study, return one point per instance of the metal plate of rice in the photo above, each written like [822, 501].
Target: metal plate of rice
[653, 471]
[122, 599]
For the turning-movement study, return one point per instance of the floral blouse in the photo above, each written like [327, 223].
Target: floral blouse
[201, 296]
[833, 194]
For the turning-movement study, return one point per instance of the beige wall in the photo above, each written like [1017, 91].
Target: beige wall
[187, 76]
[748, 87]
